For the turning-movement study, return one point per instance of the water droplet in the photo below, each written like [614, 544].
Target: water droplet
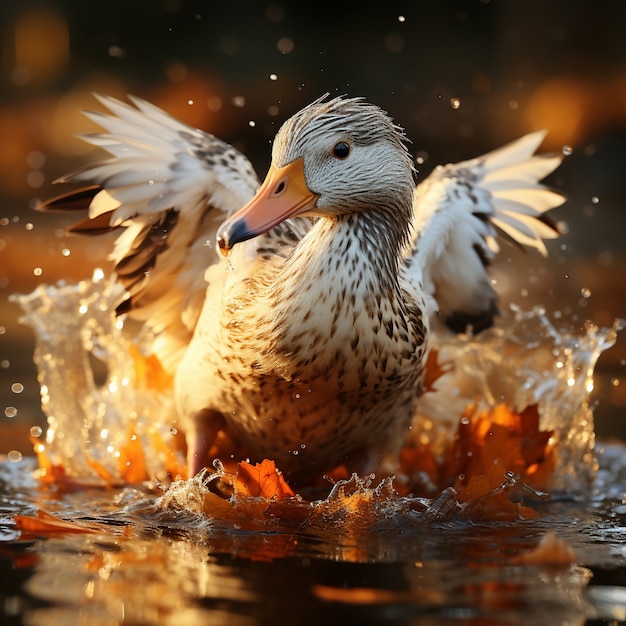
[10, 412]
[17, 387]
[116, 52]
[567, 150]
[465, 420]
[455, 103]
[421, 157]
[35, 179]
[15, 456]
[37, 271]
[36, 431]
[66, 252]
[273, 76]
[252, 123]
[35, 159]
[285, 45]
[214, 103]
[29, 226]
[189, 102]
[297, 396]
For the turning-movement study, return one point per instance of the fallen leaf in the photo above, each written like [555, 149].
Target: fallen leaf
[494, 442]
[131, 462]
[261, 480]
[551, 552]
[44, 523]
[149, 372]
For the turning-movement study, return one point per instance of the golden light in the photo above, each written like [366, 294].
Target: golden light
[559, 104]
[42, 45]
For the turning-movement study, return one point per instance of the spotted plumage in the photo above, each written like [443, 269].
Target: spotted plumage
[308, 344]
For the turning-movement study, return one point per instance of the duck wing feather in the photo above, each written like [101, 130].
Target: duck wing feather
[165, 189]
[460, 212]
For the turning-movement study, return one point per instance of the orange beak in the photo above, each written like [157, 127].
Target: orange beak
[283, 194]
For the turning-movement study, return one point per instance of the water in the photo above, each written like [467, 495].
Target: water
[182, 552]
[153, 561]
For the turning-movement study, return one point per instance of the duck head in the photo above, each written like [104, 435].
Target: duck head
[332, 158]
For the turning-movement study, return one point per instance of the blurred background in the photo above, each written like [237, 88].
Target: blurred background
[462, 77]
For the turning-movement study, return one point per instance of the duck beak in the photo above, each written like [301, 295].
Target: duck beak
[284, 193]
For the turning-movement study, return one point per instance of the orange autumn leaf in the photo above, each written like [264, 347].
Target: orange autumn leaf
[494, 442]
[174, 464]
[419, 463]
[550, 552]
[149, 371]
[261, 480]
[433, 370]
[48, 472]
[487, 499]
[131, 462]
[48, 524]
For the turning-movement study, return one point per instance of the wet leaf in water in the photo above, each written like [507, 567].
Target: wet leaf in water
[261, 480]
[45, 524]
[551, 553]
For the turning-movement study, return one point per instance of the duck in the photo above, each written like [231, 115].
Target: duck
[297, 314]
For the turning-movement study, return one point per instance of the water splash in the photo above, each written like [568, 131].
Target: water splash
[91, 427]
[525, 361]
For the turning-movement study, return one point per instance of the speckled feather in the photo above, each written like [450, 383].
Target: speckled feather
[311, 350]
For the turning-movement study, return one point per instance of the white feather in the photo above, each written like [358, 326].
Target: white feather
[159, 164]
[459, 209]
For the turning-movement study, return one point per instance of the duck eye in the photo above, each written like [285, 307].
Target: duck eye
[341, 150]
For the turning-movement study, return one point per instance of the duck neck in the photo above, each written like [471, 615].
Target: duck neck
[343, 274]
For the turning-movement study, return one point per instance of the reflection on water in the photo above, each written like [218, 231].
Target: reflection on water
[154, 563]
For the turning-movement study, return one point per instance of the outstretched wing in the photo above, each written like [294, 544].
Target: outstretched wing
[166, 188]
[461, 208]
